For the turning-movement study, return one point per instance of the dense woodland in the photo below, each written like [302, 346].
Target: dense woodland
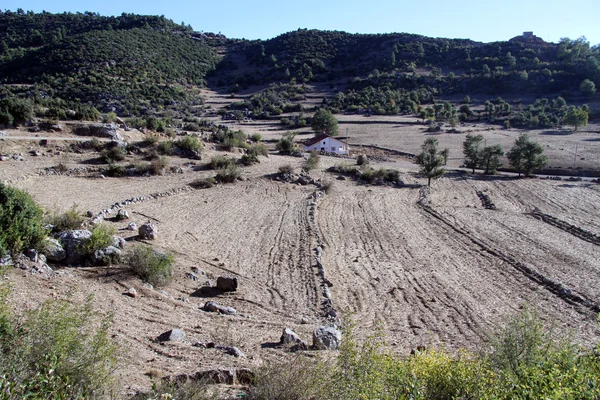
[74, 65]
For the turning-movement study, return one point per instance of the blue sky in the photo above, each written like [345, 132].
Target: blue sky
[479, 20]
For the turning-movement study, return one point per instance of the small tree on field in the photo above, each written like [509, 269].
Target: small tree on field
[430, 160]
[588, 87]
[527, 156]
[576, 117]
[472, 151]
[324, 121]
[286, 144]
[445, 153]
[490, 158]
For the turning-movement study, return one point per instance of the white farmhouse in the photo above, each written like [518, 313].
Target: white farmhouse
[327, 144]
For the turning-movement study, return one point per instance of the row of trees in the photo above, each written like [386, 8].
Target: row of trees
[525, 156]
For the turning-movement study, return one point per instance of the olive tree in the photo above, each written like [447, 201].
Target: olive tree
[324, 121]
[472, 151]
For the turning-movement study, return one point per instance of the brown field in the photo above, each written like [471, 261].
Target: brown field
[389, 261]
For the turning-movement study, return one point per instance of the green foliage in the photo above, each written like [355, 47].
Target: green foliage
[576, 117]
[228, 138]
[256, 137]
[151, 266]
[324, 121]
[64, 221]
[286, 144]
[189, 143]
[20, 220]
[362, 160]
[110, 118]
[311, 162]
[18, 109]
[588, 87]
[430, 160]
[252, 153]
[165, 147]
[219, 162]
[490, 158]
[59, 350]
[102, 237]
[472, 151]
[527, 155]
[203, 183]
[286, 169]
[115, 170]
[229, 174]
[158, 165]
[112, 154]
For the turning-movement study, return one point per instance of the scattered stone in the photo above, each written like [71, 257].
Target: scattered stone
[118, 242]
[132, 226]
[174, 335]
[122, 214]
[72, 242]
[53, 250]
[327, 338]
[192, 276]
[211, 306]
[148, 231]
[289, 337]
[227, 283]
[89, 213]
[131, 292]
[32, 254]
[233, 351]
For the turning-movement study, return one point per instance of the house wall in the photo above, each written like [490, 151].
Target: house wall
[329, 145]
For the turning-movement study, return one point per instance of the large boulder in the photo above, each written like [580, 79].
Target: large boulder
[53, 250]
[212, 306]
[107, 256]
[227, 284]
[174, 335]
[72, 242]
[327, 338]
[148, 231]
[99, 130]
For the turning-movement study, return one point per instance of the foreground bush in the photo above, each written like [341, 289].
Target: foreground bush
[68, 220]
[151, 266]
[20, 220]
[229, 174]
[58, 351]
[102, 237]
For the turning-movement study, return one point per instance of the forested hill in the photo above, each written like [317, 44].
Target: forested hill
[130, 63]
[522, 64]
[137, 65]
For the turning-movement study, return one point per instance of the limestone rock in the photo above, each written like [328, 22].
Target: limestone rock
[174, 335]
[53, 250]
[148, 231]
[327, 338]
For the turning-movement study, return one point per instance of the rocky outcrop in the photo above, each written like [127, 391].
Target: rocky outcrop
[99, 130]
[327, 338]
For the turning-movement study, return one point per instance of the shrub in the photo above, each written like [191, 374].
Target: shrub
[113, 154]
[96, 144]
[60, 350]
[115, 170]
[203, 183]
[165, 148]
[327, 186]
[158, 165]
[151, 266]
[68, 220]
[362, 159]
[229, 174]
[189, 144]
[221, 162]
[20, 220]
[312, 161]
[286, 169]
[60, 167]
[102, 237]
[286, 144]
[251, 156]
[150, 139]
[109, 118]
[256, 137]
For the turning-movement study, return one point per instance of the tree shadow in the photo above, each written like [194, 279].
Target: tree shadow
[561, 132]
[206, 292]
[270, 345]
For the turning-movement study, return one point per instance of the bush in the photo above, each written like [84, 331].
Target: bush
[286, 169]
[327, 186]
[165, 148]
[60, 350]
[286, 144]
[102, 237]
[109, 118]
[312, 161]
[362, 159]
[189, 144]
[151, 266]
[251, 156]
[158, 165]
[65, 221]
[113, 154]
[20, 220]
[115, 170]
[203, 183]
[221, 162]
[256, 137]
[229, 174]
[150, 139]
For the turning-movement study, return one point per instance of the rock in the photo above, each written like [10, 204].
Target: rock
[122, 214]
[132, 226]
[53, 250]
[192, 276]
[32, 254]
[89, 213]
[131, 292]
[118, 242]
[6, 261]
[174, 335]
[327, 338]
[234, 351]
[289, 337]
[72, 242]
[212, 306]
[99, 130]
[227, 283]
[148, 231]
[107, 256]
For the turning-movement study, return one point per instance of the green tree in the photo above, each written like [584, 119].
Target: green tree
[472, 151]
[576, 117]
[588, 87]
[430, 160]
[526, 155]
[445, 153]
[324, 121]
[20, 220]
[490, 158]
